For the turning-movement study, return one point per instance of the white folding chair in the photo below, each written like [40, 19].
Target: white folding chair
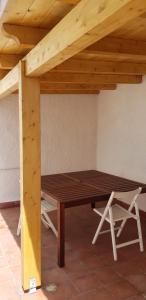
[113, 213]
[46, 208]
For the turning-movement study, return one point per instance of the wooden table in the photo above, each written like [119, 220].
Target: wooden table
[79, 188]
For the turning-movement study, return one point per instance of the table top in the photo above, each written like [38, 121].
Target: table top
[77, 188]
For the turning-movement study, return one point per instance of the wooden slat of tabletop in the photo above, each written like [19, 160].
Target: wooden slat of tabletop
[56, 180]
[74, 192]
[113, 183]
[82, 175]
[106, 181]
[81, 187]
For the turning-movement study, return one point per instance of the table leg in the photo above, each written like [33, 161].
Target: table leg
[61, 234]
[93, 204]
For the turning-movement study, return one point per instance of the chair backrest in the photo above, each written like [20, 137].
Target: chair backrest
[126, 197]
[46, 207]
[45, 196]
[129, 197]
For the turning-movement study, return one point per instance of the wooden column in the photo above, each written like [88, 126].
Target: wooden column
[29, 122]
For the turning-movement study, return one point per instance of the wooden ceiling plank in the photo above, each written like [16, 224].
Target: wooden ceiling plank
[46, 13]
[89, 78]
[15, 12]
[135, 30]
[100, 67]
[88, 22]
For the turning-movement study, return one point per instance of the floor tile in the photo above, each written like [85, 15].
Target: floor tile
[95, 295]
[38, 295]
[88, 282]
[138, 280]
[8, 291]
[137, 297]
[122, 290]
[90, 272]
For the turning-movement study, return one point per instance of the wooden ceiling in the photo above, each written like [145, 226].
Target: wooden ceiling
[118, 58]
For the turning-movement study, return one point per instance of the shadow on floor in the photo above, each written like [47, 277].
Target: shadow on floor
[90, 272]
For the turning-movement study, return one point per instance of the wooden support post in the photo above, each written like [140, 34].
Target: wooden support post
[29, 122]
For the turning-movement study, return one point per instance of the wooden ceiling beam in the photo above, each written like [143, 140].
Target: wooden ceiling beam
[82, 86]
[115, 48]
[111, 44]
[101, 67]
[57, 77]
[3, 5]
[87, 23]
[24, 36]
[73, 2]
[9, 83]
[8, 61]
[69, 92]
[64, 91]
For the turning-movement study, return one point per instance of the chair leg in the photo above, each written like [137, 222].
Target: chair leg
[121, 228]
[93, 204]
[44, 222]
[139, 229]
[19, 227]
[98, 230]
[50, 224]
[124, 221]
[113, 235]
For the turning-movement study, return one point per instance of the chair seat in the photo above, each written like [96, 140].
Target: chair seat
[46, 206]
[119, 213]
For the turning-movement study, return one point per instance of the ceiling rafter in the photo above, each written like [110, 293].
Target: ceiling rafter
[116, 49]
[9, 83]
[60, 44]
[67, 77]
[96, 92]
[100, 67]
[76, 86]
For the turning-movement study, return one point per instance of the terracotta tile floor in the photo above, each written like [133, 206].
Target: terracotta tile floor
[90, 272]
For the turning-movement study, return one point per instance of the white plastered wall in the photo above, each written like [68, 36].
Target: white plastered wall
[121, 133]
[68, 130]
[79, 132]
